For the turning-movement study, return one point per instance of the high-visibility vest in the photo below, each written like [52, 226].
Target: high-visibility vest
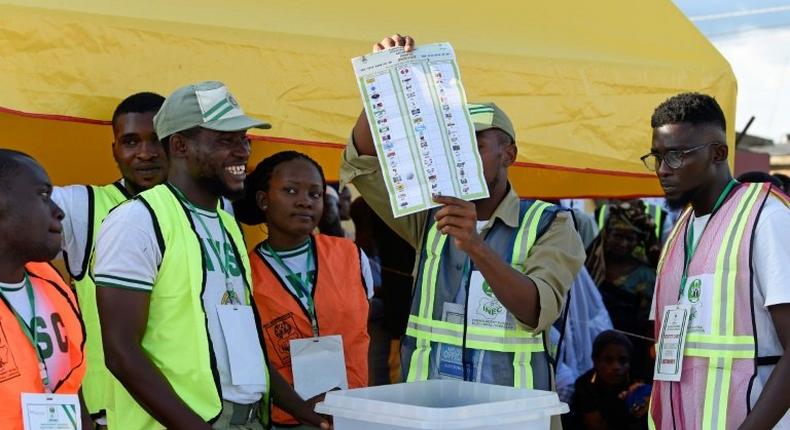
[176, 335]
[718, 367]
[341, 306]
[97, 385]
[530, 361]
[655, 212]
[19, 364]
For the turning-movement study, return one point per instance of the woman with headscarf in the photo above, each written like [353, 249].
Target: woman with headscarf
[622, 261]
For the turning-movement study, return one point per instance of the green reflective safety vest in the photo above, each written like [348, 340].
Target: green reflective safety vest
[176, 336]
[516, 357]
[654, 211]
[97, 384]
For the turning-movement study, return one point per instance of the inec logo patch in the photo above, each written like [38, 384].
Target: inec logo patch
[489, 307]
[695, 290]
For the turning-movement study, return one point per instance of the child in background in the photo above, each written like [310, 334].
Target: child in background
[605, 398]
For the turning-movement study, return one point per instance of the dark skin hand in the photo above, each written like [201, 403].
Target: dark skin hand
[517, 292]
[774, 400]
[286, 398]
[87, 421]
[123, 315]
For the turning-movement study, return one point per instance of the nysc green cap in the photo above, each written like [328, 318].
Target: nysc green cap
[206, 104]
[486, 116]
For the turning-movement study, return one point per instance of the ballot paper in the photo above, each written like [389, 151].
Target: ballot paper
[424, 137]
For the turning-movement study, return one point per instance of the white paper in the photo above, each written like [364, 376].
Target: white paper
[318, 365]
[418, 115]
[672, 342]
[51, 412]
[245, 353]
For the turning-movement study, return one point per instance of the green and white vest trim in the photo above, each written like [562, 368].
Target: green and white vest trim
[176, 336]
[97, 384]
[517, 355]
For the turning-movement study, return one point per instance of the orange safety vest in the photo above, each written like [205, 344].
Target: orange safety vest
[341, 306]
[19, 366]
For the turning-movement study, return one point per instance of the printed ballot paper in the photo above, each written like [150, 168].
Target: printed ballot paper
[424, 137]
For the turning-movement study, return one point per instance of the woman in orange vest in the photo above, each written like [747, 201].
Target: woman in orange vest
[41, 335]
[305, 285]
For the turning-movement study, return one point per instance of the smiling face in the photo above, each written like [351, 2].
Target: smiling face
[294, 201]
[217, 161]
[699, 167]
[29, 219]
[138, 152]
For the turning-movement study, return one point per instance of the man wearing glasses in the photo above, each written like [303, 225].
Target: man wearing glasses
[722, 279]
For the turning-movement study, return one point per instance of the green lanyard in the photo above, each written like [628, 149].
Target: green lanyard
[31, 333]
[223, 265]
[302, 284]
[690, 247]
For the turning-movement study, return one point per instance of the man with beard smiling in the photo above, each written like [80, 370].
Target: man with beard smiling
[723, 295]
[143, 164]
[174, 298]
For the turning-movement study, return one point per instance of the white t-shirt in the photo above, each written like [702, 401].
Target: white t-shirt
[73, 200]
[296, 259]
[771, 273]
[128, 256]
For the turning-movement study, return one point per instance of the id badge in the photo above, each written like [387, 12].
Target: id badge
[245, 353]
[699, 295]
[450, 357]
[318, 365]
[485, 310]
[51, 412]
[672, 342]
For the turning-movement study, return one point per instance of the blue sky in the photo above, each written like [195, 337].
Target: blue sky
[754, 36]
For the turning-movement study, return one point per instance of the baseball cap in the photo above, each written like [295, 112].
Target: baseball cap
[207, 104]
[486, 116]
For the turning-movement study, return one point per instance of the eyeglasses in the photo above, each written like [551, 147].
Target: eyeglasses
[674, 158]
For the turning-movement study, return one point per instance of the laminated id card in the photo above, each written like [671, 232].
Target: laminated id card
[671, 342]
[51, 411]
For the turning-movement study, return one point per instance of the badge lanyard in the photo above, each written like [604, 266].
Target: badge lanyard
[31, 333]
[224, 266]
[690, 247]
[301, 284]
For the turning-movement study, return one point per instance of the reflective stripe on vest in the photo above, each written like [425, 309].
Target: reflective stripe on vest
[176, 335]
[97, 385]
[719, 346]
[426, 330]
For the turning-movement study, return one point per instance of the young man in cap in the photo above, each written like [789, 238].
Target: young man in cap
[722, 279]
[41, 336]
[468, 244]
[174, 298]
[142, 163]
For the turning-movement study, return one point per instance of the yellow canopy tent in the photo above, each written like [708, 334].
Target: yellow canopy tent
[580, 79]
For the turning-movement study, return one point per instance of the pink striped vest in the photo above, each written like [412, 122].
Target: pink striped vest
[719, 359]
